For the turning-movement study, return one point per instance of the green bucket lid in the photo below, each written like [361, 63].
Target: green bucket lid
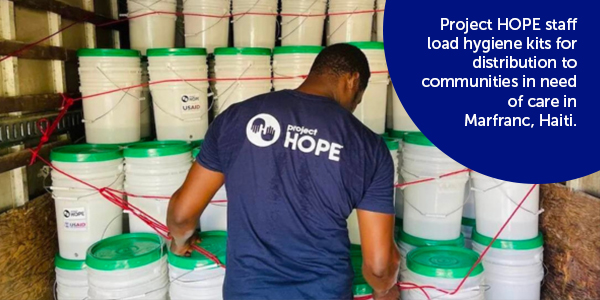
[214, 242]
[157, 149]
[443, 262]
[419, 242]
[68, 264]
[391, 143]
[197, 143]
[176, 52]
[126, 251]
[195, 152]
[468, 222]
[86, 52]
[417, 138]
[86, 153]
[368, 45]
[399, 134]
[242, 51]
[533, 243]
[360, 287]
[297, 49]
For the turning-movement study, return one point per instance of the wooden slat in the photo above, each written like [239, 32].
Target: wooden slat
[19, 159]
[30, 103]
[37, 52]
[69, 12]
[589, 184]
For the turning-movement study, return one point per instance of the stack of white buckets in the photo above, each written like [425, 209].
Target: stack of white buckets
[433, 215]
[91, 226]
[514, 263]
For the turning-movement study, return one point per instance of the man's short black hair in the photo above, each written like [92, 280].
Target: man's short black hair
[342, 59]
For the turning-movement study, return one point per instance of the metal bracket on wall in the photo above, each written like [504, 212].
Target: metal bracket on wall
[17, 129]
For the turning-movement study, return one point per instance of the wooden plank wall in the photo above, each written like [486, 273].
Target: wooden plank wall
[30, 83]
[571, 227]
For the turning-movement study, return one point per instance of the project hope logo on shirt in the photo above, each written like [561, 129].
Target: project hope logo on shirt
[264, 130]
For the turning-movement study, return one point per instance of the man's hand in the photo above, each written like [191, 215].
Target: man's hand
[185, 248]
[392, 294]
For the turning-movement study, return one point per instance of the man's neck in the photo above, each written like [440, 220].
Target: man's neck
[317, 86]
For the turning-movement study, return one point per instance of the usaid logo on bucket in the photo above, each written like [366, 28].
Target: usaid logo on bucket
[263, 130]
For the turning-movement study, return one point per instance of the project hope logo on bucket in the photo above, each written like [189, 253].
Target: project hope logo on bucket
[506, 88]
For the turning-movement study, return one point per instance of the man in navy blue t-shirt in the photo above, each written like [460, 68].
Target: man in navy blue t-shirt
[296, 163]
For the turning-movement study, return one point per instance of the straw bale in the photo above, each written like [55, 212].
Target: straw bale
[28, 243]
[571, 227]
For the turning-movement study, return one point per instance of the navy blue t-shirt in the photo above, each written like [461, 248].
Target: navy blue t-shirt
[295, 167]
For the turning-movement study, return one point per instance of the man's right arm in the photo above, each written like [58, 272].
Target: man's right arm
[376, 214]
[381, 258]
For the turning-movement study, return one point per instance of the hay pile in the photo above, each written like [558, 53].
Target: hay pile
[571, 227]
[28, 244]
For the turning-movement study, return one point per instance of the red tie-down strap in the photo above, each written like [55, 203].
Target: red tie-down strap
[48, 130]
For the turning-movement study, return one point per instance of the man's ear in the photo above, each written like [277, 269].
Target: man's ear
[354, 81]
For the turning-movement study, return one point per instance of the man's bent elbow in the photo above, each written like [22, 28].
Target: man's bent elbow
[384, 267]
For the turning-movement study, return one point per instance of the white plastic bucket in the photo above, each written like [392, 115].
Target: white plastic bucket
[398, 192]
[83, 215]
[240, 63]
[205, 30]
[214, 216]
[495, 202]
[71, 279]
[432, 210]
[352, 222]
[401, 120]
[292, 61]
[349, 21]
[468, 220]
[151, 30]
[128, 266]
[372, 110]
[380, 15]
[113, 118]
[196, 277]
[407, 243]
[154, 169]
[180, 108]
[254, 23]
[389, 109]
[443, 267]
[513, 269]
[145, 100]
[307, 29]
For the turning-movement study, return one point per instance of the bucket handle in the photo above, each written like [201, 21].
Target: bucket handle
[125, 92]
[223, 17]
[49, 189]
[143, 5]
[246, 13]
[155, 102]
[343, 23]
[236, 83]
[436, 178]
[296, 17]
[441, 216]
[507, 196]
